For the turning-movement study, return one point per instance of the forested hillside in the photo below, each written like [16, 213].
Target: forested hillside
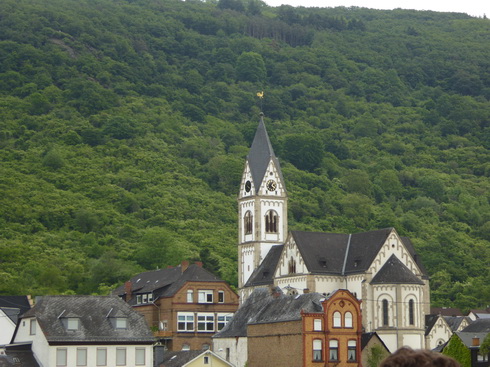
[124, 126]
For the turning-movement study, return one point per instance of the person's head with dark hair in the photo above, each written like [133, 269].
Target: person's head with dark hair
[406, 357]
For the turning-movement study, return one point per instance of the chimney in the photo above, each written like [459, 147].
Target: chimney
[306, 290]
[185, 265]
[199, 263]
[475, 342]
[128, 289]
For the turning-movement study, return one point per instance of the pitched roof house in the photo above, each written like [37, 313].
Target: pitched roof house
[185, 305]
[85, 330]
[11, 307]
[380, 267]
[194, 358]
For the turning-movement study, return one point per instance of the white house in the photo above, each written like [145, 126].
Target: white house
[11, 307]
[86, 331]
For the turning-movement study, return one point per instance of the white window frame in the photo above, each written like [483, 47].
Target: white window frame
[101, 356]
[205, 322]
[121, 356]
[317, 325]
[139, 299]
[317, 350]
[206, 360]
[32, 327]
[187, 319]
[144, 298]
[61, 356]
[348, 319]
[222, 319]
[190, 296]
[337, 319]
[121, 323]
[205, 296]
[140, 356]
[351, 350]
[81, 356]
[72, 323]
[333, 345]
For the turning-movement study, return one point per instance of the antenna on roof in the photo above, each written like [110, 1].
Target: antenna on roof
[109, 312]
[61, 314]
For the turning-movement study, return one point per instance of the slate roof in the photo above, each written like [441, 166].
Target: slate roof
[288, 308]
[178, 359]
[325, 253]
[14, 306]
[446, 311]
[478, 326]
[94, 313]
[165, 282]
[430, 321]
[454, 322]
[18, 356]
[467, 337]
[237, 327]
[366, 337]
[260, 154]
[395, 272]
[264, 274]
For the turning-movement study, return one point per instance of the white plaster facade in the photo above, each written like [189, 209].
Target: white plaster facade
[7, 328]
[439, 334]
[233, 350]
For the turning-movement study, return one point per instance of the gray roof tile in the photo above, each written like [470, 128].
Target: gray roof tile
[395, 272]
[478, 326]
[264, 274]
[95, 314]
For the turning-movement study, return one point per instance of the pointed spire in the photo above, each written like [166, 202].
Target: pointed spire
[261, 153]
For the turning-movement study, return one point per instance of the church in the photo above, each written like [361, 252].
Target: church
[379, 267]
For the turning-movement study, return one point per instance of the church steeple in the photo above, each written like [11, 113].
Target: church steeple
[262, 205]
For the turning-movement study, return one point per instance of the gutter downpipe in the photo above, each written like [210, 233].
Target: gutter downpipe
[345, 260]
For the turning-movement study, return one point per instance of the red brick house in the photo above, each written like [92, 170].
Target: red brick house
[184, 305]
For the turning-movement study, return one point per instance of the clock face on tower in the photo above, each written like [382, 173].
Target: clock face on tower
[271, 185]
[248, 186]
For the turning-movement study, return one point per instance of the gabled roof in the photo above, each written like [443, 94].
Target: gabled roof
[478, 326]
[14, 306]
[165, 282]
[454, 322]
[95, 324]
[467, 337]
[288, 308]
[18, 355]
[366, 338]
[395, 272]
[430, 321]
[181, 358]
[260, 154]
[257, 300]
[264, 274]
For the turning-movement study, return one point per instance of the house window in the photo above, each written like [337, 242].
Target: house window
[334, 350]
[145, 298]
[385, 313]
[223, 319]
[101, 357]
[317, 325]
[205, 346]
[411, 318]
[205, 322]
[81, 356]
[150, 297]
[61, 356]
[120, 356]
[351, 350]
[140, 356]
[139, 299]
[348, 319]
[248, 220]
[33, 324]
[72, 323]
[206, 360]
[205, 296]
[221, 297]
[185, 321]
[186, 347]
[190, 296]
[337, 319]
[271, 222]
[121, 323]
[317, 350]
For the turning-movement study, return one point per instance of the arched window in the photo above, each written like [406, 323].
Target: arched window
[337, 319]
[348, 319]
[248, 220]
[271, 222]
[351, 350]
[385, 313]
[292, 266]
[333, 350]
[317, 350]
[411, 314]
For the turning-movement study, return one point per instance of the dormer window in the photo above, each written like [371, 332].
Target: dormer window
[72, 323]
[121, 323]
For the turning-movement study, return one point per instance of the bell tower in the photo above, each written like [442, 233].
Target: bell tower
[262, 205]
